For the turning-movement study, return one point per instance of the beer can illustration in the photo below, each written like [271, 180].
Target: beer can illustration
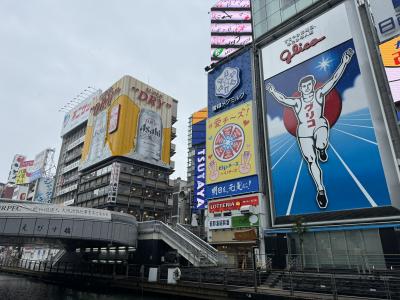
[149, 137]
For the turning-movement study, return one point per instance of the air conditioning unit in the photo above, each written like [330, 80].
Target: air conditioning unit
[247, 209]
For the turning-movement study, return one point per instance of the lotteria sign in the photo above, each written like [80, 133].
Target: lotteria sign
[230, 204]
[230, 84]
[199, 178]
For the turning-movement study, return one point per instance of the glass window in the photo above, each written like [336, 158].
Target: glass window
[324, 250]
[339, 249]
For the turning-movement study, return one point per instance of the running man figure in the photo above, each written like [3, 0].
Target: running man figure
[313, 128]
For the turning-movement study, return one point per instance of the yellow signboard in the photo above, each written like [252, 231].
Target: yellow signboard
[390, 52]
[230, 144]
[130, 119]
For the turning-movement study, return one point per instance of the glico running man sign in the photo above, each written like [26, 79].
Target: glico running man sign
[323, 150]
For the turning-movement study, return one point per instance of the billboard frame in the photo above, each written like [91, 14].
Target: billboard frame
[370, 75]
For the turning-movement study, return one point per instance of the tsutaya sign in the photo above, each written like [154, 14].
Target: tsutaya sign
[49, 209]
[200, 178]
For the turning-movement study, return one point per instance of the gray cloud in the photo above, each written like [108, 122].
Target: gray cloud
[52, 50]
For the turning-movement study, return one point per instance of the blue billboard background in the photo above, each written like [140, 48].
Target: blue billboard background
[199, 199]
[233, 187]
[242, 93]
[353, 175]
[199, 133]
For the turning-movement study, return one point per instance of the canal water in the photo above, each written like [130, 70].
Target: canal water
[23, 288]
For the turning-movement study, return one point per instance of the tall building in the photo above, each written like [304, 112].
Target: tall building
[73, 135]
[125, 163]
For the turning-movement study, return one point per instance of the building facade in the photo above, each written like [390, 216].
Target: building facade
[73, 135]
[125, 164]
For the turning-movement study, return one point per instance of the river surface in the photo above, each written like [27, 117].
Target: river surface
[23, 288]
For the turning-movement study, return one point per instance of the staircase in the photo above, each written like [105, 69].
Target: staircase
[191, 247]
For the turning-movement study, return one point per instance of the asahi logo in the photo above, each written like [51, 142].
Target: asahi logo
[149, 128]
[297, 43]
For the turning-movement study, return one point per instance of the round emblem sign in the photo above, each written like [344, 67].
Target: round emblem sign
[228, 142]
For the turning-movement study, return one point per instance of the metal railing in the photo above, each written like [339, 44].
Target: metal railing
[206, 249]
[192, 252]
[310, 283]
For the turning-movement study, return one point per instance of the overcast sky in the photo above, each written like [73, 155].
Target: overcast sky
[52, 50]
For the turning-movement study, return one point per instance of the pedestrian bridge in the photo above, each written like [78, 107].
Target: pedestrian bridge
[24, 223]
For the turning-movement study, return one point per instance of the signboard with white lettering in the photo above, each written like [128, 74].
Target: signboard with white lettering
[199, 200]
[78, 114]
[386, 17]
[50, 209]
[220, 223]
[230, 84]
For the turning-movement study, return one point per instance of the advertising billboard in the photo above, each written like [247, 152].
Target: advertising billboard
[230, 84]
[199, 127]
[44, 190]
[390, 53]
[79, 114]
[24, 172]
[17, 160]
[39, 165]
[323, 150]
[199, 199]
[386, 15]
[230, 152]
[233, 204]
[20, 192]
[231, 27]
[130, 119]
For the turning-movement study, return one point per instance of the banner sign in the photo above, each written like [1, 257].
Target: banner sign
[17, 160]
[78, 114]
[44, 190]
[246, 185]
[199, 200]
[50, 209]
[230, 84]
[390, 52]
[386, 15]
[231, 27]
[245, 221]
[231, 204]
[220, 223]
[320, 129]
[230, 146]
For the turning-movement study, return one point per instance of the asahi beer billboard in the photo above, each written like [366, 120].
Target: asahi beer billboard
[230, 84]
[130, 119]
[323, 149]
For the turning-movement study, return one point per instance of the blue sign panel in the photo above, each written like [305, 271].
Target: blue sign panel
[199, 199]
[234, 187]
[199, 133]
[323, 150]
[230, 84]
